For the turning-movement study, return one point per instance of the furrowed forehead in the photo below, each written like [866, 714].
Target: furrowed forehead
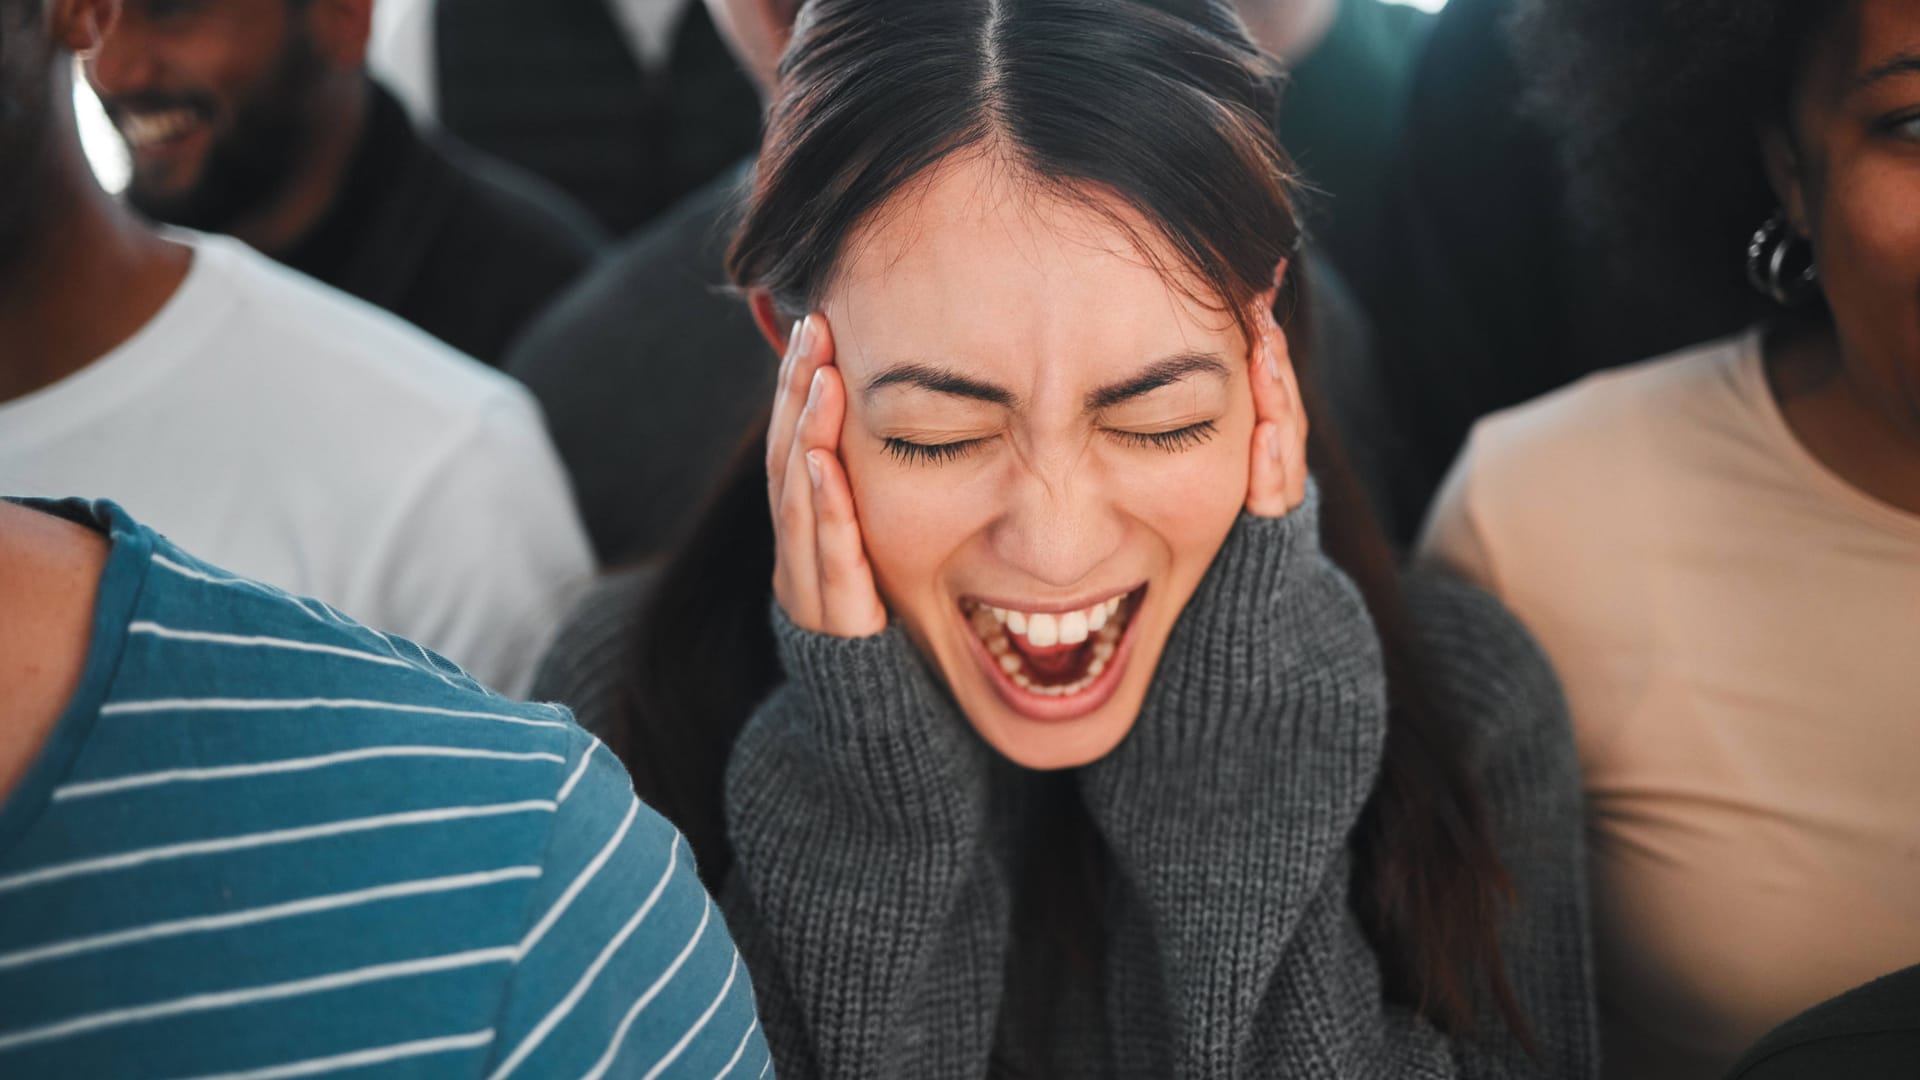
[982, 201]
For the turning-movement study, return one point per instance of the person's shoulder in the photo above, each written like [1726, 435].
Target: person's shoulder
[49, 577]
[1487, 668]
[1871, 1032]
[669, 274]
[520, 210]
[489, 850]
[212, 634]
[283, 697]
[1598, 417]
[316, 356]
[307, 331]
[1590, 463]
[589, 663]
[215, 657]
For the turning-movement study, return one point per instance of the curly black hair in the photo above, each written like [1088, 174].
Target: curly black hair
[1655, 105]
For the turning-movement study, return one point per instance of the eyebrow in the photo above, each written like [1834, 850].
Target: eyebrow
[938, 380]
[1907, 63]
[1156, 375]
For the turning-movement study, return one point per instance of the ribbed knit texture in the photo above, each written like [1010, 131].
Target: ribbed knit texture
[864, 864]
[1228, 810]
[1486, 666]
[871, 893]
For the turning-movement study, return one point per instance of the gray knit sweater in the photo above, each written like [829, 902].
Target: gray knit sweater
[871, 894]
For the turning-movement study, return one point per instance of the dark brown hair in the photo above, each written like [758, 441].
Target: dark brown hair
[1168, 107]
[1655, 108]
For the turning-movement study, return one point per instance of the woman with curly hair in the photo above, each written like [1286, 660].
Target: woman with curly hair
[1720, 549]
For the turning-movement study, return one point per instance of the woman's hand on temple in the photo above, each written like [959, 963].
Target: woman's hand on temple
[1277, 480]
[820, 573]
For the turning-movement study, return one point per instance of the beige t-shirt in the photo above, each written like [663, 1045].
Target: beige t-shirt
[1738, 631]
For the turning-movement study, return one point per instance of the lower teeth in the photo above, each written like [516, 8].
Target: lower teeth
[1104, 645]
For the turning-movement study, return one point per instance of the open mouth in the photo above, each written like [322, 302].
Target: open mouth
[145, 131]
[1054, 664]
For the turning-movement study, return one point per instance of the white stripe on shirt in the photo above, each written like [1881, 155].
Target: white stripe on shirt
[331, 617]
[679, 961]
[425, 662]
[375, 1055]
[228, 999]
[566, 789]
[659, 984]
[88, 788]
[559, 1012]
[738, 1051]
[626, 1023]
[210, 637]
[250, 916]
[680, 1047]
[267, 839]
[581, 880]
[215, 579]
[167, 705]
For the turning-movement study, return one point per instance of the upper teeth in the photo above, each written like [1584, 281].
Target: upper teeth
[143, 129]
[1042, 629]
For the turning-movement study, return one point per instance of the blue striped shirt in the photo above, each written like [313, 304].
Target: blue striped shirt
[265, 841]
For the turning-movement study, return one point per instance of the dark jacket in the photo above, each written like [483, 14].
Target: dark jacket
[651, 373]
[1869, 1033]
[554, 87]
[467, 248]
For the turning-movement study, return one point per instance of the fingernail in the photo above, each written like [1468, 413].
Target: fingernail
[1273, 361]
[813, 391]
[793, 338]
[803, 336]
[813, 468]
[1273, 443]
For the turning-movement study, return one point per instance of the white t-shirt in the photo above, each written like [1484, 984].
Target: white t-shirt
[1738, 631]
[291, 433]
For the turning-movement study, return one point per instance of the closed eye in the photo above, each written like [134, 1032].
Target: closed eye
[1185, 438]
[1174, 441]
[931, 453]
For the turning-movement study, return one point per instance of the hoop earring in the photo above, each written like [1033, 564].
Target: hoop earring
[1767, 255]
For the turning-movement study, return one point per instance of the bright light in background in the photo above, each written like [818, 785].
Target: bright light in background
[106, 152]
[1423, 5]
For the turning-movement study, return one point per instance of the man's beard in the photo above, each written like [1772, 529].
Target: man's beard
[253, 161]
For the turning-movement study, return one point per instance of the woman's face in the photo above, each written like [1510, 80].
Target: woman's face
[1853, 183]
[1047, 444]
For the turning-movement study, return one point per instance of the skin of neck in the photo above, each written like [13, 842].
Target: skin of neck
[338, 122]
[79, 274]
[1866, 432]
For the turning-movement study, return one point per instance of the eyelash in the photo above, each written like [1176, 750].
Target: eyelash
[931, 453]
[1172, 442]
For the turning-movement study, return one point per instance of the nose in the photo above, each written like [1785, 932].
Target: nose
[1059, 533]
